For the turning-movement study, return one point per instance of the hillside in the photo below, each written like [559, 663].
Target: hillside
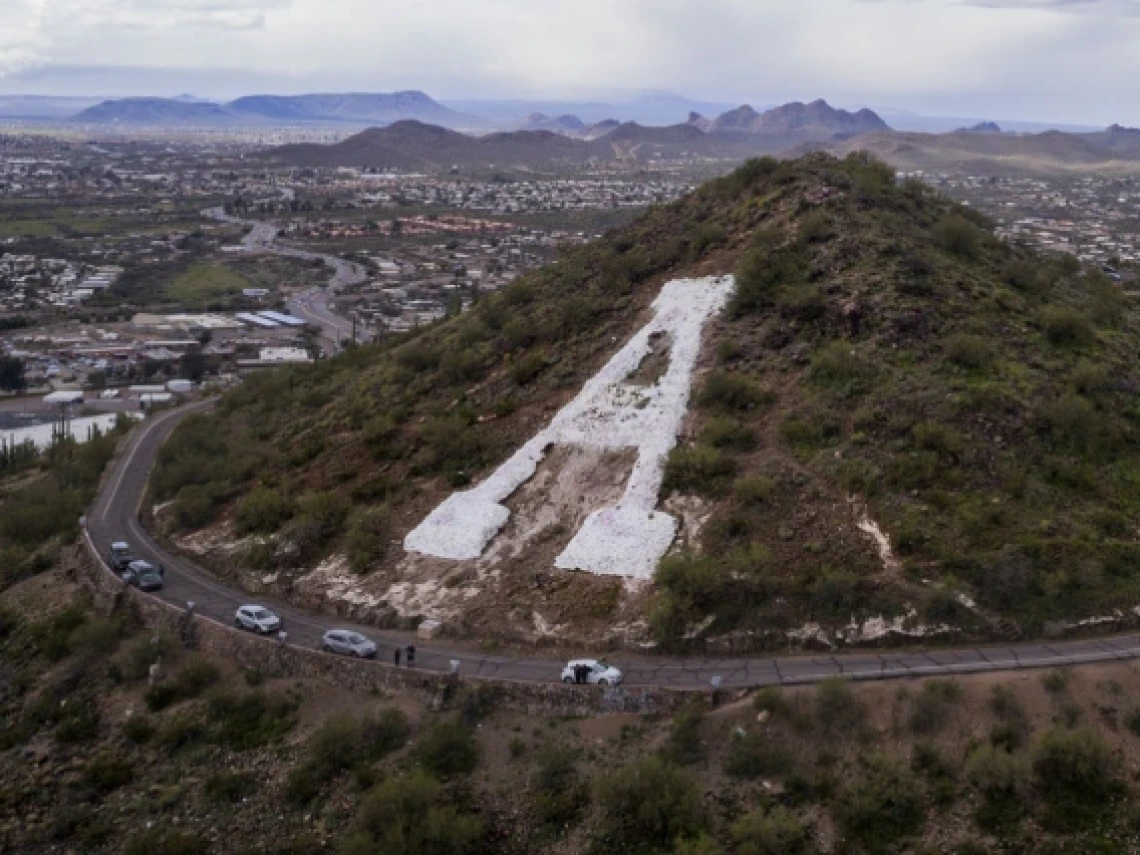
[214, 758]
[900, 426]
[969, 150]
[797, 122]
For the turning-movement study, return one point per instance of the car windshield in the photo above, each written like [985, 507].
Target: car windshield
[355, 638]
[259, 614]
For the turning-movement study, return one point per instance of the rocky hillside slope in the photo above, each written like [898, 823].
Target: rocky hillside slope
[900, 425]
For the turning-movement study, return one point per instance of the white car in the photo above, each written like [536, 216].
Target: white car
[257, 619]
[596, 672]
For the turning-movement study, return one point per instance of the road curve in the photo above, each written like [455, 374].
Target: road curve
[311, 305]
[114, 516]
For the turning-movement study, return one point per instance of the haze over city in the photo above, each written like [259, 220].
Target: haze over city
[1060, 61]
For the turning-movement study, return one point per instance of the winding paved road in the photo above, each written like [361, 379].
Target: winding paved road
[114, 516]
[313, 304]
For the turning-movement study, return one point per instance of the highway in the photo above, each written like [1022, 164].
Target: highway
[311, 305]
[114, 516]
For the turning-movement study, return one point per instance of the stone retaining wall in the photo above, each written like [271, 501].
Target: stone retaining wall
[273, 659]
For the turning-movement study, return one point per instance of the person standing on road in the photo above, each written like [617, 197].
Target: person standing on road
[396, 656]
[411, 651]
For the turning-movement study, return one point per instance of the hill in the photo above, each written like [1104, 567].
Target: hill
[360, 108]
[901, 426]
[797, 122]
[412, 144]
[154, 111]
[354, 108]
[564, 124]
[1115, 148]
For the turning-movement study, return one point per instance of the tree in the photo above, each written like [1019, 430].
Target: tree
[193, 365]
[12, 377]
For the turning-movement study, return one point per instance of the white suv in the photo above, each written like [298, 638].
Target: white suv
[594, 671]
[257, 619]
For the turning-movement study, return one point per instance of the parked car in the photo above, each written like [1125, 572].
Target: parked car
[348, 643]
[597, 672]
[121, 556]
[257, 619]
[144, 576]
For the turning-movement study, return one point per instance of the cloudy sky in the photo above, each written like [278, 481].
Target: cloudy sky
[1052, 60]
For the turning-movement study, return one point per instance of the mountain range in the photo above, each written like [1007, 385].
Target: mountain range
[351, 107]
[546, 141]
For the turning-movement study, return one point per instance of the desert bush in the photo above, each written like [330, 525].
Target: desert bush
[647, 805]
[837, 707]
[728, 434]
[559, 793]
[881, 806]
[834, 593]
[1008, 708]
[816, 227]
[241, 722]
[933, 704]
[1077, 774]
[1004, 780]
[757, 754]
[685, 745]
[764, 270]
[1066, 327]
[836, 365]
[138, 729]
[810, 430]
[327, 510]
[970, 351]
[106, 773]
[410, 815]
[230, 788]
[730, 392]
[263, 510]
[1055, 682]
[754, 489]
[772, 831]
[187, 682]
[181, 731]
[1069, 418]
[54, 635]
[698, 469]
[957, 235]
[525, 370]
[341, 743]
[367, 539]
[447, 750]
[1089, 378]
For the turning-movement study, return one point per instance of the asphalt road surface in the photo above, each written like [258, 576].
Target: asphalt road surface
[114, 516]
[311, 305]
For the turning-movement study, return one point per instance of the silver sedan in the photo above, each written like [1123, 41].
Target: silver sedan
[348, 643]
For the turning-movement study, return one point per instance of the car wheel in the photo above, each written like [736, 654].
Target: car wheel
[238, 623]
[603, 682]
[326, 648]
[567, 679]
[356, 654]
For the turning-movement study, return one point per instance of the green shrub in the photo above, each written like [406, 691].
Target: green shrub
[367, 540]
[560, 794]
[957, 235]
[138, 729]
[775, 831]
[263, 510]
[54, 635]
[343, 741]
[1055, 682]
[1008, 708]
[1066, 327]
[698, 469]
[685, 745]
[527, 369]
[241, 722]
[230, 788]
[181, 731]
[933, 704]
[447, 750]
[756, 754]
[970, 351]
[1077, 774]
[647, 805]
[1132, 721]
[1070, 418]
[816, 227]
[728, 434]
[327, 510]
[835, 593]
[188, 682]
[107, 772]
[810, 431]
[836, 365]
[882, 806]
[754, 489]
[410, 815]
[837, 707]
[730, 392]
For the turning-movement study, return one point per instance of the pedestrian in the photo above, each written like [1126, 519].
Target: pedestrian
[396, 657]
[411, 651]
[579, 674]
